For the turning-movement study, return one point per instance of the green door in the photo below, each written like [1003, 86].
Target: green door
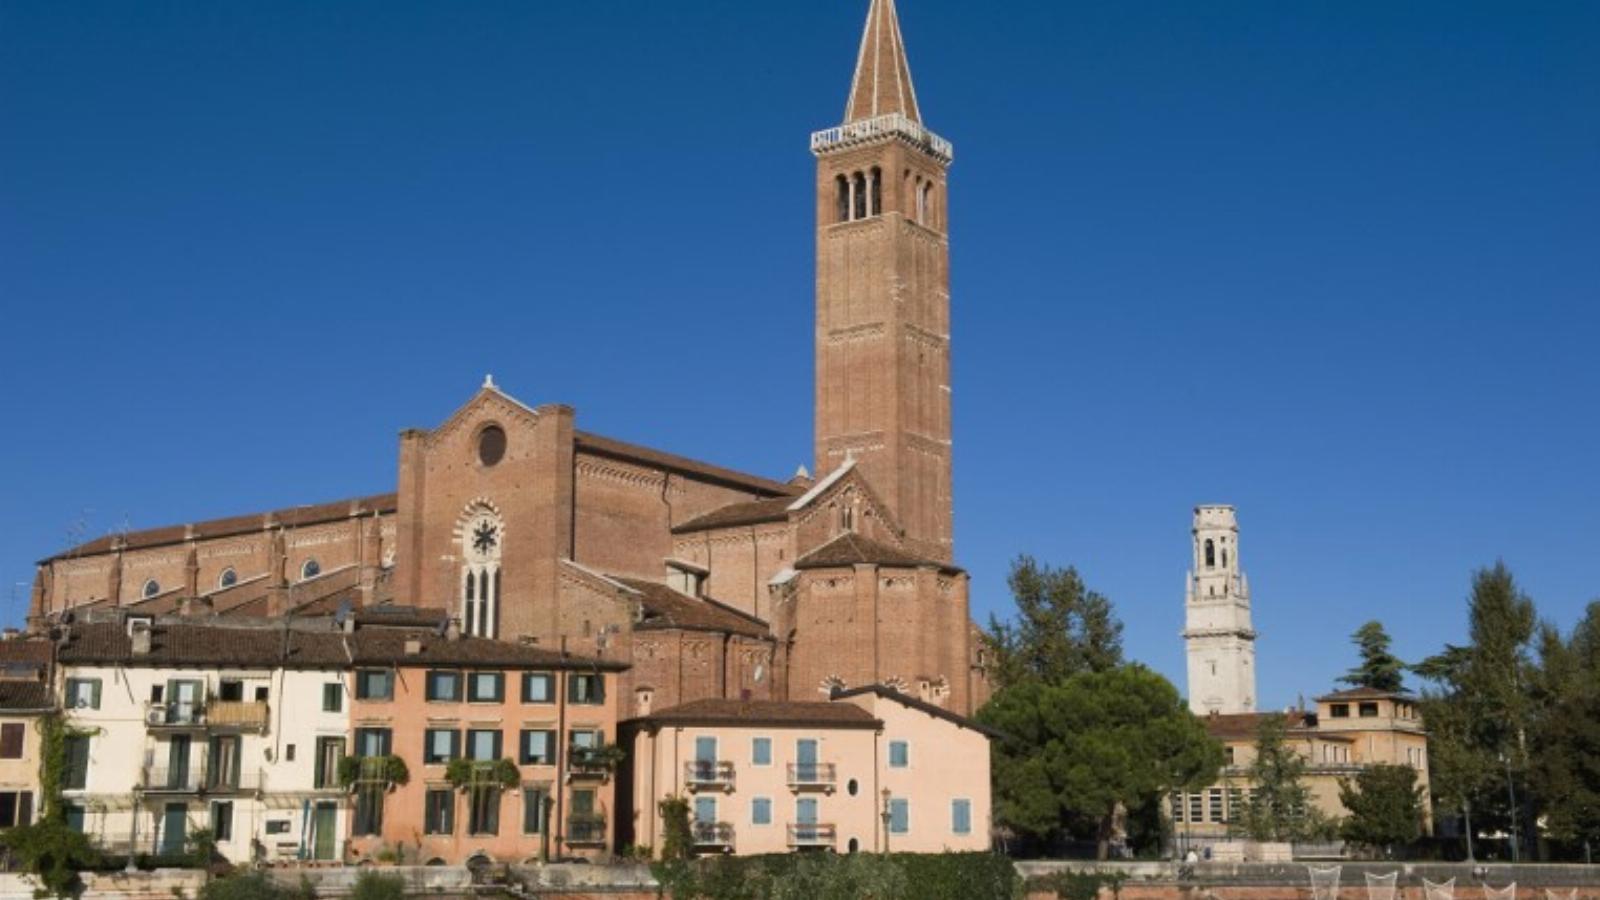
[174, 828]
[325, 831]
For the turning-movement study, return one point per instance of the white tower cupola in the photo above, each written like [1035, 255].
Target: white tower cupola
[1221, 644]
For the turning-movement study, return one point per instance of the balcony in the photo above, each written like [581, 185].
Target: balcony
[200, 779]
[242, 715]
[588, 829]
[803, 776]
[866, 131]
[705, 774]
[222, 715]
[812, 834]
[712, 835]
[158, 715]
[592, 762]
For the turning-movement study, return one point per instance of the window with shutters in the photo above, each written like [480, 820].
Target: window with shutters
[83, 693]
[899, 816]
[374, 684]
[16, 808]
[12, 735]
[333, 697]
[444, 687]
[538, 687]
[486, 687]
[538, 747]
[439, 811]
[961, 816]
[534, 809]
[586, 690]
[483, 746]
[440, 745]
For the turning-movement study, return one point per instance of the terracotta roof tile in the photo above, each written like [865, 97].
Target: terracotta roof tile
[850, 548]
[213, 528]
[765, 712]
[751, 512]
[24, 696]
[25, 650]
[1245, 726]
[612, 447]
[937, 712]
[270, 646]
[1364, 693]
[667, 608]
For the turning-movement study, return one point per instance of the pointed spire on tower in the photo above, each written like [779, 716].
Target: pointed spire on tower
[882, 84]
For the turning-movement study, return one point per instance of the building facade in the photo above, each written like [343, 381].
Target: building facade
[505, 747]
[175, 728]
[711, 583]
[1345, 733]
[1218, 637]
[868, 771]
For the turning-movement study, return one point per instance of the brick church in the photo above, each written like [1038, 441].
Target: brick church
[511, 522]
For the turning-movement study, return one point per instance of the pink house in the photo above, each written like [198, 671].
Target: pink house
[871, 769]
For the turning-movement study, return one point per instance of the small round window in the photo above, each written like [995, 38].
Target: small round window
[310, 569]
[228, 578]
[151, 588]
[491, 445]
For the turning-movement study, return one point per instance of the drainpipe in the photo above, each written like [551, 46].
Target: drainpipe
[563, 751]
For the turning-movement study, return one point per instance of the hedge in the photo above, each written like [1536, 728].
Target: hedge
[822, 876]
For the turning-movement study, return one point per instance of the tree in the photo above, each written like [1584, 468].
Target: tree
[1061, 628]
[1565, 770]
[1385, 804]
[1083, 749]
[1479, 715]
[1379, 668]
[1280, 806]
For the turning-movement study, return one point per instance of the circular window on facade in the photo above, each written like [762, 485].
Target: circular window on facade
[228, 578]
[151, 588]
[310, 569]
[852, 787]
[491, 445]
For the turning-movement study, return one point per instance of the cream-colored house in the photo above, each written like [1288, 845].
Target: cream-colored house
[869, 770]
[1346, 732]
[189, 726]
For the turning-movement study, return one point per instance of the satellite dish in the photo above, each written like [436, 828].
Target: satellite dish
[760, 673]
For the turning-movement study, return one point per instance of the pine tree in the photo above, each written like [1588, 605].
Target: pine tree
[1379, 668]
[1385, 804]
[1280, 803]
[1061, 629]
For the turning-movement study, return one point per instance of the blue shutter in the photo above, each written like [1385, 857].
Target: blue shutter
[899, 816]
[961, 816]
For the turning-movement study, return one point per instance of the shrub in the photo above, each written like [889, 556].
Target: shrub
[248, 886]
[826, 876]
[52, 853]
[373, 886]
[1077, 885]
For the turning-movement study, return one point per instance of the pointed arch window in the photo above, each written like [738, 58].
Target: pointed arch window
[875, 194]
[843, 185]
[859, 206]
[482, 534]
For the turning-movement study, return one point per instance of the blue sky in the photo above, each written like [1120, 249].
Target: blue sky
[1335, 263]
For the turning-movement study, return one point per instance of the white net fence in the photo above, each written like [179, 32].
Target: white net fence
[1325, 882]
[1509, 892]
[1381, 887]
[1442, 891]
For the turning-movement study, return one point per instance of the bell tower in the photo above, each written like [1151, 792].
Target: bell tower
[883, 292]
[1221, 644]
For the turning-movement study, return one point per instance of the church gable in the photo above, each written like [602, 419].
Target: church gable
[844, 502]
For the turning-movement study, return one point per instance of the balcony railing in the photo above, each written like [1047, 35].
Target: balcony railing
[188, 714]
[705, 773]
[811, 834]
[200, 778]
[591, 762]
[868, 130]
[712, 834]
[586, 828]
[811, 775]
[244, 715]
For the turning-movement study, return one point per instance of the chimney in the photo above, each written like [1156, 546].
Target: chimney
[452, 630]
[139, 631]
[413, 646]
[643, 697]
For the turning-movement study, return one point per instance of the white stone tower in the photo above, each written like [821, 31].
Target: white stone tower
[1217, 632]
